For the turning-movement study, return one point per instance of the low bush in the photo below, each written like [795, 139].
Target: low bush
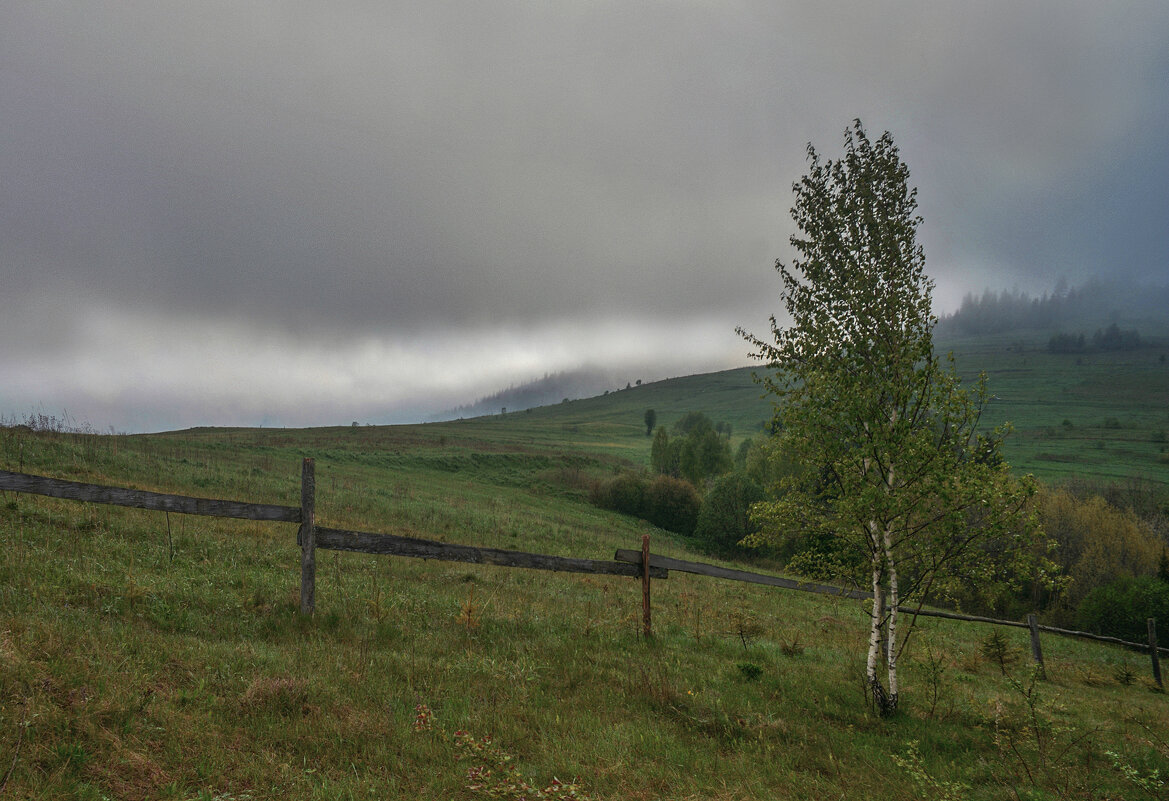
[667, 502]
[672, 504]
[1123, 607]
[623, 493]
[725, 516]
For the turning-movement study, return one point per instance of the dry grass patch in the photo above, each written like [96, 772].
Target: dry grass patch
[284, 695]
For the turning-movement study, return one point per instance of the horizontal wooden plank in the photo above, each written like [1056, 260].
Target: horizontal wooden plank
[1087, 635]
[956, 616]
[141, 499]
[391, 544]
[703, 569]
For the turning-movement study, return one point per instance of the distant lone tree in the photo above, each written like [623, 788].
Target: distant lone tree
[651, 420]
[894, 467]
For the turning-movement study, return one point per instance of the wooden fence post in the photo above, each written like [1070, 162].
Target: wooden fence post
[645, 614]
[307, 536]
[1036, 649]
[1153, 651]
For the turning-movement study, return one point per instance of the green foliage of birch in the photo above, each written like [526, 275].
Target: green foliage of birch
[896, 470]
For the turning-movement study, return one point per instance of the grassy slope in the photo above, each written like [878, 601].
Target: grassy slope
[146, 657]
[1116, 406]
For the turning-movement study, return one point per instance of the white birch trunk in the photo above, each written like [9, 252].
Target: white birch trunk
[874, 657]
[894, 594]
[894, 601]
[880, 697]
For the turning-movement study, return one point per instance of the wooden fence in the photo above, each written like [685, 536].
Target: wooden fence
[634, 564]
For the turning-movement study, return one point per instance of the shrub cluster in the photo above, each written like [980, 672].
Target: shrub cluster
[1107, 569]
[1112, 561]
[667, 502]
[1123, 607]
[718, 522]
[1097, 543]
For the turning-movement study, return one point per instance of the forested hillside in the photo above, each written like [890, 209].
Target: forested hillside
[1092, 306]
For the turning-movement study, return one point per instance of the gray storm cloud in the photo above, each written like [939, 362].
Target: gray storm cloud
[289, 180]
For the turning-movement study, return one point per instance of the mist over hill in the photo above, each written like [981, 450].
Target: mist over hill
[1093, 305]
[1087, 309]
[552, 388]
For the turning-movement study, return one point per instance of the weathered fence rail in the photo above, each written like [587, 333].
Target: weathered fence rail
[714, 571]
[310, 536]
[391, 544]
[141, 499]
[629, 563]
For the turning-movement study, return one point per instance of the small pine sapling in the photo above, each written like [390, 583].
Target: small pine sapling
[997, 649]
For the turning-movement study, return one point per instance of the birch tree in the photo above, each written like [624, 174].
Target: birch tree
[895, 466]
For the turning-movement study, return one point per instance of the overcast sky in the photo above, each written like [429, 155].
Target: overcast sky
[294, 213]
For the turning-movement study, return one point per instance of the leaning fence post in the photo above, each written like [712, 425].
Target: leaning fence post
[1036, 649]
[1153, 651]
[307, 537]
[645, 615]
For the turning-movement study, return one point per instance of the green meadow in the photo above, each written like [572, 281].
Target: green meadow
[154, 656]
[1098, 416]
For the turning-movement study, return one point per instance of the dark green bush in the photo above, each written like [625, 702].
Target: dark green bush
[667, 502]
[750, 671]
[672, 504]
[724, 518]
[1123, 607]
[623, 493]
